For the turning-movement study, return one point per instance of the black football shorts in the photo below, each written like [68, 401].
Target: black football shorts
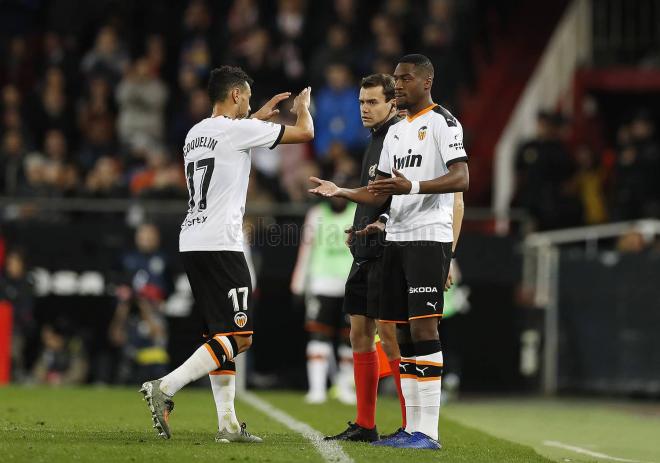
[413, 282]
[363, 288]
[222, 288]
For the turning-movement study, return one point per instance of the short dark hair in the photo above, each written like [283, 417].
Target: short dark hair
[223, 79]
[420, 61]
[380, 80]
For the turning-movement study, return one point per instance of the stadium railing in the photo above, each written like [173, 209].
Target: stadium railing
[541, 256]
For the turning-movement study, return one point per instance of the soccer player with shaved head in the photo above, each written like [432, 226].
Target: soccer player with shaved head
[423, 170]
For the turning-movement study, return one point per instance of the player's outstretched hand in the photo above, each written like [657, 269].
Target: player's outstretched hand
[302, 100]
[325, 188]
[397, 185]
[268, 110]
[375, 227]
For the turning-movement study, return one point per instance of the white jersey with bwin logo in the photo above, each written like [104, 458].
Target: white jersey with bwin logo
[217, 168]
[422, 147]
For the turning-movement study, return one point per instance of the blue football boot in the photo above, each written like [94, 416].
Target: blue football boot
[394, 439]
[418, 440]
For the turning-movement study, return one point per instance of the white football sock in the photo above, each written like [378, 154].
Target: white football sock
[410, 392]
[429, 384]
[318, 355]
[345, 379]
[224, 392]
[203, 361]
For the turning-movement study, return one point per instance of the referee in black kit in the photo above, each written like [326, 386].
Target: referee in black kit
[362, 297]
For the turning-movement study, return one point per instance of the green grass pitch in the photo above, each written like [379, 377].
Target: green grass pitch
[113, 424]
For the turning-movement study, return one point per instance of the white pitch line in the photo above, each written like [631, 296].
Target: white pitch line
[551, 443]
[331, 451]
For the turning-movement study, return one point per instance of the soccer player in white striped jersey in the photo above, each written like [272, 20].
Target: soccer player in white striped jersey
[424, 158]
[217, 167]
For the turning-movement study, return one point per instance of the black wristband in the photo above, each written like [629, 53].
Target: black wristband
[453, 254]
[383, 218]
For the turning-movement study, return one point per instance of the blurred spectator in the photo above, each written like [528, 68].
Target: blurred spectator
[155, 53]
[138, 326]
[243, 16]
[57, 174]
[196, 49]
[141, 96]
[16, 288]
[390, 48]
[342, 164]
[11, 97]
[35, 177]
[544, 168]
[336, 49]
[257, 192]
[63, 360]
[255, 57]
[11, 162]
[159, 179]
[337, 112]
[104, 180]
[56, 54]
[438, 44]
[96, 121]
[590, 187]
[64, 179]
[51, 109]
[17, 67]
[290, 25]
[632, 242]
[637, 169]
[197, 107]
[55, 147]
[108, 57]
[13, 121]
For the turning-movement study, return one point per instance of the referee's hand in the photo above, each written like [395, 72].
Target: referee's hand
[325, 188]
[397, 185]
[350, 235]
[375, 227]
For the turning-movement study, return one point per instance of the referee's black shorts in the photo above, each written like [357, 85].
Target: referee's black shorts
[414, 277]
[221, 285]
[363, 288]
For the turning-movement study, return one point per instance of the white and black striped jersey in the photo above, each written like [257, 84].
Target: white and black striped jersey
[217, 168]
[422, 147]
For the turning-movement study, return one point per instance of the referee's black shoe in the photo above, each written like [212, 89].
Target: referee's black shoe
[356, 433]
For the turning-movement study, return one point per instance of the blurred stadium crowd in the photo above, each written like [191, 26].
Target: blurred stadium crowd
[101, 111]
[565, 183]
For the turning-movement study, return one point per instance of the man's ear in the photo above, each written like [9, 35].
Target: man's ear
[393, 107]
[428, 83]
[235, 94]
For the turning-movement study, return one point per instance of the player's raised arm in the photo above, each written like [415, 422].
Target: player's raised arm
[303, 131]
[362, 195]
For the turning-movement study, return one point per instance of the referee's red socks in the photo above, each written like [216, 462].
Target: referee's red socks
[365, 371]
[396, 374]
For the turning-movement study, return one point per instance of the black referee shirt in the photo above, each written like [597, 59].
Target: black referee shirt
[370, 246]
